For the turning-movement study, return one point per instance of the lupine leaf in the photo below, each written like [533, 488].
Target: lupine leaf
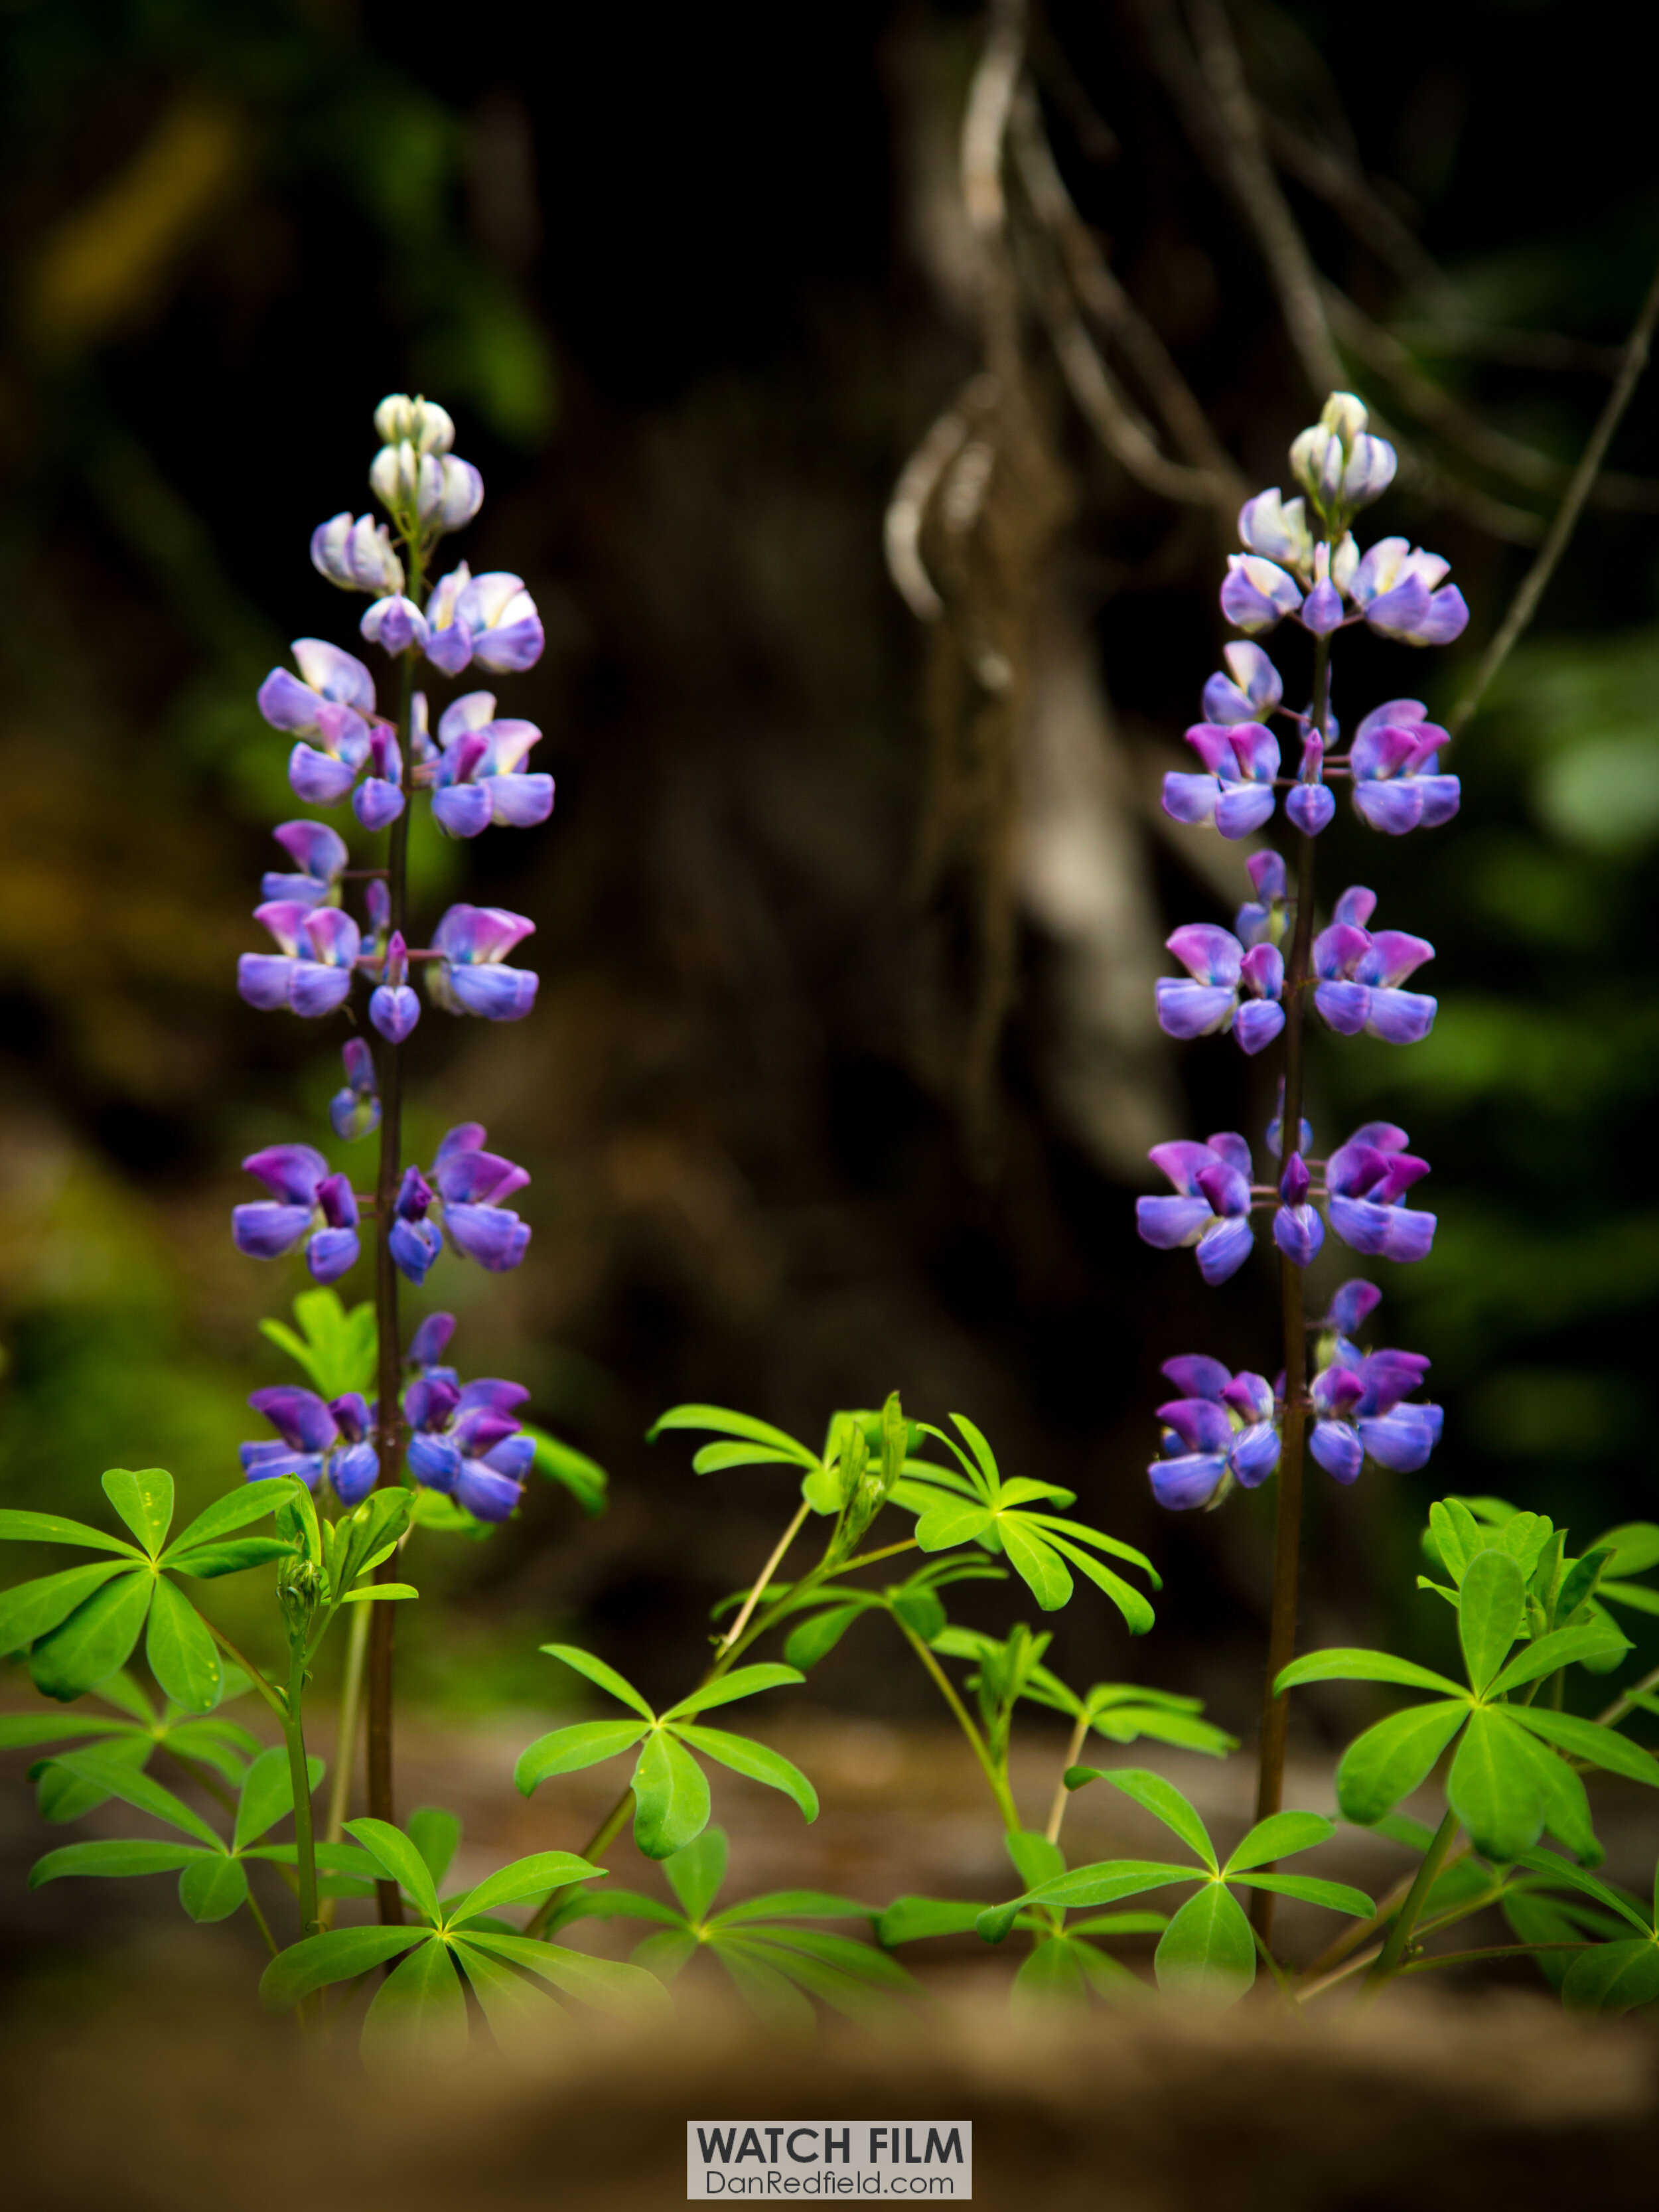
[1492, 1605]
[757, 1760]
[62, 1795]
[233, 1511]
[1492, 1786]
[268, 1794]
[517, 2011]
[908, 1919]
[1388, 1762]
[1312, 1890]
[182, 1655]
[1022, 1490]
[725, 1422]
[120, 1690]
[1107, 1882]
[670, 1797]
[526, 1877]
[1614, 1977]
[1077, 1532]
[667, 1955]
[1121, 1923]
[1561, 1648]
[567, 1750]
[761, 1985]
[981, 1450]
[378, 1594]
[629, 1905]
[793, 1905]
[1126, 1724]
[1050, 1976]
[1602, 1746]
[135, 1857]
[218, 1744]
[1566, 1805]
[604, 1983]
[1344, 1665]
[35, 1609]
[1165, 1803]
[402, 1861]
[1035, 1859]
[19, 1729]
[95, 1639]
[116, 1779]
[1109, 1978]
[1636, 1595]
[695, 1874]
[419, 2012]
[1206, 1953]
[1570, 1877]
[1037, 1562]
[213, 1887]
[743, 1682]
[144, 1502]
[818, 1636]
[714, 1459]
[845, 1954]
[435, 1834]
[607, 1678]
[950, 1522]
[338, 1955]
[1138, 1614]
[1278, 1836]
[20, 1528]
[207, 1562]
[1635, 1546]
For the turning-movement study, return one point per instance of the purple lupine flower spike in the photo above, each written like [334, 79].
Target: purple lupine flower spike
[1249, 691]
[1360, 971]
[309, 1204]
[1367, 1178]
[1211, 1207]
[1358, 1398]
[1395, 761]
[501, 616]
[327, 677]
[470, 978]
[1236, 793]
[356, 1111]
[318, 852]
[449, 642]
[1297, 1229]
[311, 975]
[479, 777]
[393, 1007]
[1322, 609]
[472, 1184]
[466, 1440]
[317, 1440]
[1222, 1429]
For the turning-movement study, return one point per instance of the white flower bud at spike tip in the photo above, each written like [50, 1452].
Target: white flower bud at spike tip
[394, 475]
[1371, 464]
[422, 422]
[451, 493]
[1346, 415]
[1308, 455]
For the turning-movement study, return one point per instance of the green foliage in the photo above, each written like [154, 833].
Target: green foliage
[670, 1791]
[337, 1349]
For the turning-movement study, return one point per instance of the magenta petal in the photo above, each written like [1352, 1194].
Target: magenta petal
[1298, 1232]
[1345, 1006]
[1209, 954]
[1196, 1376]
[293, 1172]
[1337, 951]
[1251, 1396]
[1311, 807]
[1229, 1146]
[1201, 1423]
[1263, 969]
[1228, 1192]
[1352, 1303]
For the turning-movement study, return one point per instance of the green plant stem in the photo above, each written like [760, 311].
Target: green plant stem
[602, 1836]
[1360, 1931]
[1062, 1795]
[272, 1696]
[1492, 1951]
[352, 1704]
[1625, 1703]
[773, 1564]
[1387, 1960]
[998, 1780]
[261, 1922]
[305, 1848]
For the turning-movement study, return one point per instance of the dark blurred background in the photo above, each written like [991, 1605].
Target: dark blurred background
[844, 1066]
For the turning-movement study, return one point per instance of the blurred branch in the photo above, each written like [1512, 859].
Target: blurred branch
[1534, 583]
[913, 495]
[985, 120]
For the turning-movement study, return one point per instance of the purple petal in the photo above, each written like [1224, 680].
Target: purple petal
[1228, 1192]
[1263, 969]
[314, 990]
[1196, 1376]
[414, 1246]
[1255, 1455]
[1391, 956]
[1442, 797]
[331, 1253]
[351, 1410]
[293, 1172]
[478, 1431]
[1352, 1303]
[1190, 798]
[1259, 1021]
[1401, 1017]
[1337, 951]
[491, 1393]
[1336, 1392]
[1244, 807]
[286, 703]
[450, 648]
[430, 1401]
[461, 810]
[353, 1472]
[514, 1458]
[1230, 1148]
[517, 646]
[336, 676]
[317, 779]
[1293, 1183]
[1338, 1449]
[1267, 875]
[1311, 807]
[1382, 748]
[485, 1494]
[1393, 714]
[1393, 808]
[1225, 703]
[338, 1201]
[1448, 618]
[1201, 1423]
[332, 936]
[297, 1415]
[434, 1462]
[394, 1010]
[464, 1177]
[1209, 954]
[1225, 1249]
[376, 803]
[1345, 1006]
[1321, 610]
[262, 979]
[281, 1459]
[1402, 1440]
[1403, 612]
[1167, 1224]
[497, 992]
[1188, 1009]
[494, 1235]
[1355, 907]
[312, 845]
[480, 934]
[430, 1340]
[1298, 1232]
[1183, 1483]
[353, 1114]
[262, 1230]
[1184, 1162]
[1385, 1377]
[1251, 1396]
[1256, 750]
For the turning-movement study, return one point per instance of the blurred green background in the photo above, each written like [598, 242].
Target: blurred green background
[685, 283]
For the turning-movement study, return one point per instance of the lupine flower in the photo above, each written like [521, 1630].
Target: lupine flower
[393, 1008]
[441, 492]
[322, 774]
[1339, 465]
[1395, 762]
[1398, 590]
[1220, 969]
[1297, 1229]
[317, 1440]
[331, 679]
[470, 978]
[467, 1185]
[426, 426]
[312, 973]
[467, 1442]
[394, 624]
[379, 799]
[1222, 1429]
[1359, 971]
[1367, 1178]
[320, 853]
[1249, 691]
[490, 619]
[1257, 593]
[356, 1111]
[1323, 611]
[357, 555]
[1261, 921]
[310, 1204]
[1277, 530]
[1237, 793]
[479, 778]
[1211, 1207]
[1358, 1396]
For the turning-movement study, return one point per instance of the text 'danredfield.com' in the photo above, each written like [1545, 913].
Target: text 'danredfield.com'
[931, 2159]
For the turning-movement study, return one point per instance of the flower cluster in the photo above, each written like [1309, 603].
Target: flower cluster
[465, 1439]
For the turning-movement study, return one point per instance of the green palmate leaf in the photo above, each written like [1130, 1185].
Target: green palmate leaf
[1035, 1859]
[1344, 1665]
[34, 1608]
[378, 1593]
[419, 2013]
[606, 1678]
[1568, 1876]
[1278, 1836]
[52, 1528]
[394, 1852]
[755, 1760]
[117, 1858]
[1337, 1895]
[218, 1744]
[1581, 1739]
[212, 1888]
[714, 1459]
[1165, 1803]
[339, 1954]
[1614, 1977]
[725, 1422]
[1037, 1563]
[232, 1511]
[120, 1690]
[1127, 1723]
[1206, 1954]
[435, 1834]
[1491, 1606]
[584, 1478]
[908, 1919]
[668, 1955]
[1455, 1533]
[1540, 1920]
[206, 1562]
[337, 1350]
[794, 1904]
[566, 1750]
[743, 1682]
[981, 1450]
[604, 1983]
[181, 1653]
[950, 1522]
[1121, 1923]
[518, 2011]
[1024, 1491]
[1634, 1545]
[1107, 1882]
[1566, 1807]
[62, 1795]
[1388, 1761]
[268, 1794]
[818, 1635]
[1636, 1595]
[1050, 1976]
[20, 1729]
[670, 1797]
[1493, 1786]
[116, 1779]
[527, 1877]
[695, 1874]
[1109, 1978]
[627, 1904]
[1138, 1615]
[1580, 1580]
[95, 1639]
[1075, 1532]
[1561, 1648]
[761, 1985]
[922, 1610]
[144, 1502]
